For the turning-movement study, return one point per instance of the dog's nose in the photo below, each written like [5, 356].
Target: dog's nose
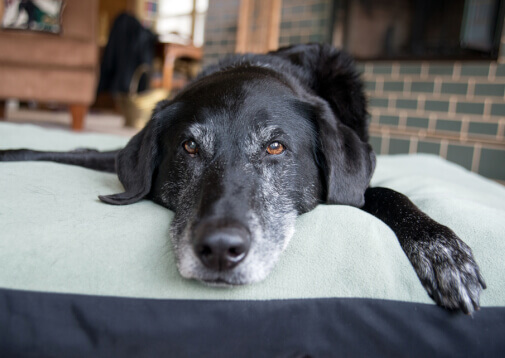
[222, 249]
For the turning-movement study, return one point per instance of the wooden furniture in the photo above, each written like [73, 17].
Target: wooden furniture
[54, 68]
[258, 26]
[172, 52]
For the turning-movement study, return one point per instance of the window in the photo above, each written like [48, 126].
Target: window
[182, 21]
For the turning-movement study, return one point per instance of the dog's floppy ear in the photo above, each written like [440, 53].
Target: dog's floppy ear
[331, 74]
[347, 161]
[136, 163]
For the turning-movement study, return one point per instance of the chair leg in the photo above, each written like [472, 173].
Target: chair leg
[3, 111]
[78, 112]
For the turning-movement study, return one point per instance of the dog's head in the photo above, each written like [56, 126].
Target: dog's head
[238, 155]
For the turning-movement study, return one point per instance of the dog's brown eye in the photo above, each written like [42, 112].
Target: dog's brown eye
[275, 148]
[191, 147]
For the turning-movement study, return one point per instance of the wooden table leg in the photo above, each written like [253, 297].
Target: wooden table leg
[3, 111]
[78, 112]
[173, 52]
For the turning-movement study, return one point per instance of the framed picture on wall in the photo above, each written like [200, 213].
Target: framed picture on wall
[34, 15]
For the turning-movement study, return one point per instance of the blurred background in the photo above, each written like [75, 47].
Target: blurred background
[434, 70]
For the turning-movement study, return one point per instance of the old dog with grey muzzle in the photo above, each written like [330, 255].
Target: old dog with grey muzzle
[251, 144]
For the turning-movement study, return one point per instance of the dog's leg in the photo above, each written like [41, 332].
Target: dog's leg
[88, 158]
[442, 261]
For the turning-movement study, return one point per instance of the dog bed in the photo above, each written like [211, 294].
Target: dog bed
[82, 278]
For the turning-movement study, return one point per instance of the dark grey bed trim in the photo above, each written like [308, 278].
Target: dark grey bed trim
[35, 324]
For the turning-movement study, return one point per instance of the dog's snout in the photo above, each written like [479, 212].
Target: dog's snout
[221, 249]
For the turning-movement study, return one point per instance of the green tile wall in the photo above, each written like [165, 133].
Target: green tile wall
[389, 120]
[435, 69]
[461, 155]
[378, 102]
[410, 69]
[376, 143]
[392, 86]
[481, 70]
[492, 163]
[370, 85]
[454, 88]
[398, 146]
[500, 70]
[439, 106]
[301, 22]
[422, 87]
[382, 69]
[483, 128]
[489, 89]
[448, 125]
[406, 103]
[428, 147]
[498, 109]
[470, 108]
[450, 97]
[418, 122]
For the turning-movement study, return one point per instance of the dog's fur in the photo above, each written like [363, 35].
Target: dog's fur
[308, 98]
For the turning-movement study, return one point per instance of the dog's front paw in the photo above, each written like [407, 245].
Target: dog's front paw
[447, 268]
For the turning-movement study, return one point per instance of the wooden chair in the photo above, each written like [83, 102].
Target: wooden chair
[53, 68]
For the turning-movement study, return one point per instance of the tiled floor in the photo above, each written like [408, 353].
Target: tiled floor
[97, 122]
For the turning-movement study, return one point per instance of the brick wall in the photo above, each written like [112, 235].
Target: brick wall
[220, 29]
[452, 109]
[302, 21]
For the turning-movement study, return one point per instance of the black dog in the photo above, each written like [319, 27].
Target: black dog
[251, 144]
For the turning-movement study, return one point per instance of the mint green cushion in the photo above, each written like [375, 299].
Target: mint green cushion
[56, 236]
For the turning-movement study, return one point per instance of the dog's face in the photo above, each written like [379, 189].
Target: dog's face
[238, 156]
[237, 171]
